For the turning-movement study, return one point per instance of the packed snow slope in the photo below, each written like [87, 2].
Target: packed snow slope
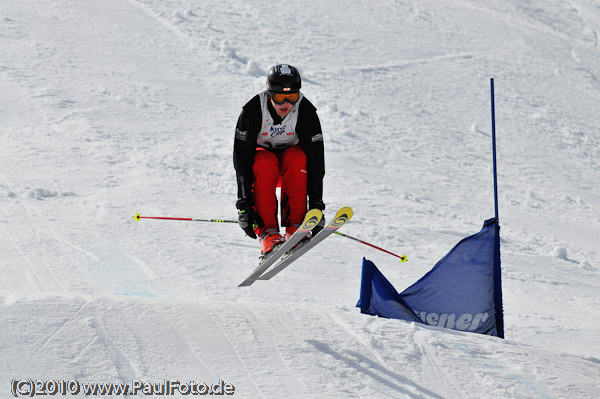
[113, 107]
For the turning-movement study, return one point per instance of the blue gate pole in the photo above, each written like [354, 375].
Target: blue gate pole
[494, 149]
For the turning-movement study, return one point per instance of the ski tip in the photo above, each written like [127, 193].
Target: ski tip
[346, 210]
[137, 216]
[403, 259]
[342, 216]
[311, 219]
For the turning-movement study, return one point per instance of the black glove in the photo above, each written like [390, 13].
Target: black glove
[248, 219]
[316, 204]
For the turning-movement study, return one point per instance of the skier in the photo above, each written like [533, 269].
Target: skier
[278, 142]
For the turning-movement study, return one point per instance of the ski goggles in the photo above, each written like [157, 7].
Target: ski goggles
[280, 98]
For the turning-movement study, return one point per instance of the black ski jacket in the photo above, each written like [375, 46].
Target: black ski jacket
[308, 130]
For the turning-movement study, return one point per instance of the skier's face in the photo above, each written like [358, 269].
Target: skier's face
[282, 109]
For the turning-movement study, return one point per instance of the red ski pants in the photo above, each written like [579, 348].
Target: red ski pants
[287, 167]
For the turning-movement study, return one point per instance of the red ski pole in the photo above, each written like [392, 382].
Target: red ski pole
[401, 257]
[138, 217]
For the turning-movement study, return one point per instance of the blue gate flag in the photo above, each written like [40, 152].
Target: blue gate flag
[463, 291]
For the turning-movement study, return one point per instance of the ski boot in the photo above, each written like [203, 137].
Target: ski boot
[269, 240]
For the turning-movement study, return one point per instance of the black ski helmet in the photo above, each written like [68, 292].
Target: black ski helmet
[283, 78]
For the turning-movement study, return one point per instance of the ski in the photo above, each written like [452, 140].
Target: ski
[343, 216]
[311, 219]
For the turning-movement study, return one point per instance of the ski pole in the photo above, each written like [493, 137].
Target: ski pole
[402, 258]
[138, 217]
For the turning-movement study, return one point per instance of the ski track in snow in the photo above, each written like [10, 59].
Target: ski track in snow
[114, 108]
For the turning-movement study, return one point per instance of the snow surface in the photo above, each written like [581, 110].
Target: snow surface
[109, 108]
